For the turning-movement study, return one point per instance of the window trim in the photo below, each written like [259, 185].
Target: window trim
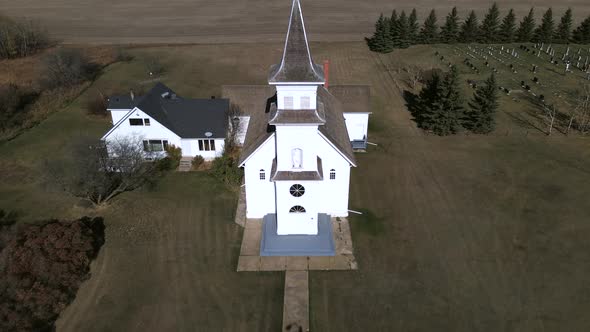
[291, 102]
[307, 104]
[138, 122]
[146, 122]
[262, 174]
[332, 174]
[206, 144]
[149, 143]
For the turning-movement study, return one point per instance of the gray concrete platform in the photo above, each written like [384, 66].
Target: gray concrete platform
[321, 244]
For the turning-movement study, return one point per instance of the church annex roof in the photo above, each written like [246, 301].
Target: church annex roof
[256, 101]
[297, 64]
[354, 98]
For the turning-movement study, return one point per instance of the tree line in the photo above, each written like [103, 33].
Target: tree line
[439, 107]
[20, 38]
[401, 31]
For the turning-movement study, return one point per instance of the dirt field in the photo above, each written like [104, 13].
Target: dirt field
[479, 233]
[227, 21]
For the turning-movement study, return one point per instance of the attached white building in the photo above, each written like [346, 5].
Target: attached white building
[161, 118]
[298, 149]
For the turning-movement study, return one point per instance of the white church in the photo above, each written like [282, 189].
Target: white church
[297, 134]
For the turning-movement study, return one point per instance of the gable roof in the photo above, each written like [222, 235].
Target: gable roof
[187, 118]
[354, 98]
[296, 64]
[254, 100]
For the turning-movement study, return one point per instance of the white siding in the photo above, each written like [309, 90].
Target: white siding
[118, 114]
[260, 194]
[357, 125]
[190, 148]
[297, 92]
[242, 129]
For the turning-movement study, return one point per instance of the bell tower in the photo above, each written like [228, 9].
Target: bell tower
[296, 116]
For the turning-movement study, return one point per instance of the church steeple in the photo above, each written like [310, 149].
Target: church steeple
[297, 64]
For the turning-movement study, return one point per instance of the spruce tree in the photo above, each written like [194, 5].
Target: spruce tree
[526, 28]
[564, 30]
[544, 33]
[429, 33]
[450, 31]
[508, 28]
[582, 33]
[442, 104]
[469, 29]
[381, 41]
[413, 27]
[394, 29]
[481, 117]
[402, 28]
[490, 26]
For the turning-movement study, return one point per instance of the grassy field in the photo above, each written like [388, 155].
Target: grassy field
[478, 233]
[226, 21]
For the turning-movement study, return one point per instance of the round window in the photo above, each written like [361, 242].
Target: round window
[297, 190]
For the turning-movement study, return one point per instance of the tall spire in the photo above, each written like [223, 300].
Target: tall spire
[297, 64]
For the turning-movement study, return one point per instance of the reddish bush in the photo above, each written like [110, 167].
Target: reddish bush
[42, 267]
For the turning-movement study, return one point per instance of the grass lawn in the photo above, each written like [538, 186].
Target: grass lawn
[463, 233]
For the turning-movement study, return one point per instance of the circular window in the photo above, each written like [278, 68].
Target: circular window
[297, 209]
[297, 190]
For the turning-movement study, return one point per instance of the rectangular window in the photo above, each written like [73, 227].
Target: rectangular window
[206, 145]
[262, 175]
[154, 145]
[288, 102]
[136, 122]
[332, 176]
[305, 103]
[146, 122]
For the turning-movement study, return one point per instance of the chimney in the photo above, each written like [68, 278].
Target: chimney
[132, 95]
[326, 73]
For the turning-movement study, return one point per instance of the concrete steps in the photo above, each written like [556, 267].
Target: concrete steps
[185, 164]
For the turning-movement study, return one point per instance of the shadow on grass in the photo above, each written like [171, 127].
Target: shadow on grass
[367, 223]
[412, 103]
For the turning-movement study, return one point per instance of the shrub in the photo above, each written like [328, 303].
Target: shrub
[97, 105]
[44, 267]
[197, 162]
[66, 67]
[122, 55]
[225, 169]
[13, 105]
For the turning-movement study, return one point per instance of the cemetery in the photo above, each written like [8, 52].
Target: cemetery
[533, 76]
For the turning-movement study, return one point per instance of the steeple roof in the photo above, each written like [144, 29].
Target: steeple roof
[296, 64]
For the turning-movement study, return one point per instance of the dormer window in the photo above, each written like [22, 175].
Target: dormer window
[288, 103]
[296, 157]
[305, 102]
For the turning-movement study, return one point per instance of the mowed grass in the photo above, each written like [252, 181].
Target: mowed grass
[460, 233]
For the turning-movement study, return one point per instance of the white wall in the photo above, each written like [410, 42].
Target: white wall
[305, 138]
[190, 148]
[260, 194]
[117, 114]
[154, 131]
[243, 123]
[357, 125]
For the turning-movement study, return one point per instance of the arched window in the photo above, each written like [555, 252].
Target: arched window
[297, 209]
[332, 174]
[262, 174]
[296, 157]
[297, 190]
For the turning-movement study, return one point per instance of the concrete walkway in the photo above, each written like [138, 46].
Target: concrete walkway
[296, 302]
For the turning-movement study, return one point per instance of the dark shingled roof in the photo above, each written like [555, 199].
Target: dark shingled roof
[121, 102]
[296, 64]
[253, 100]
[354, 98]
[187, 118]
[310, 116]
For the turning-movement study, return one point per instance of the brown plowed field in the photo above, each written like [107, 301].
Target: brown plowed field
[225, 21]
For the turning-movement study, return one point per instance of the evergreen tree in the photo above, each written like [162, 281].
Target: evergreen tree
[394, 29]
[481, 117]
[413, 27]
[469, 29]
[402, 29]
[381, 40]
[508, 28]
[429, 33]
[544, 33]
[564, 30]
[582, 33]
[450, 31]
[526, 28]
[441, 104]
[490, 26]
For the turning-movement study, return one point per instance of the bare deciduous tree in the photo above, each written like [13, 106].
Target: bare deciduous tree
[580, 115]
[101, 171]
[66, 67]
[415, 75]
[550, 113]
